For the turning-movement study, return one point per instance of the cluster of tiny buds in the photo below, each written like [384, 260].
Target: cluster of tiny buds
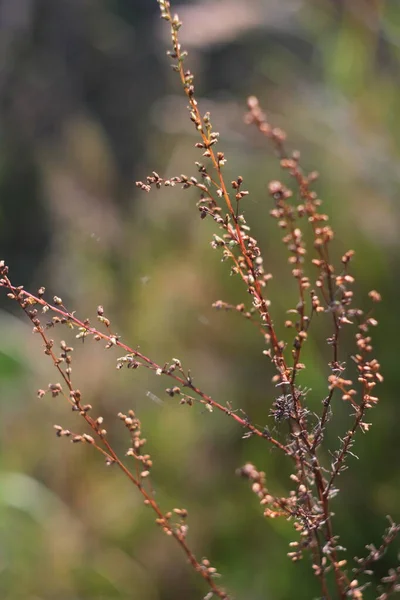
[206, 566]
[355, 590]
[54, 388]
[257, 116]
[240, 308]
[213, 138]
[392, 581]
[250, 274]
[236, 185]
[375, 553]
[3, 271]
[173, 391]
[181, 528]
[132, 423]
[164, 8]
[315, 303]
[344, 385]
[75, 399]
[184, 180]
[101, 317]
[75, 438]
[293, 506]
[257, 479]
[129, 361]
[65, 356]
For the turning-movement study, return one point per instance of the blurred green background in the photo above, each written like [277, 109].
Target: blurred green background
[88, 106]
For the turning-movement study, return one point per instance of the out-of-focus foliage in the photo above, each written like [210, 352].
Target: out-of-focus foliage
[88, 105]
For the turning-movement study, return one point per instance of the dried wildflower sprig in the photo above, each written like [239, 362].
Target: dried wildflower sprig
[308, 505]
[236, 243]
[245, 253]
[177, 530]
[326, 296]
[133, 359]
[390, 584]
[332, 294]
[230, 242]
[307, 521]
[374, 553]
[240, 309]
[249, 262]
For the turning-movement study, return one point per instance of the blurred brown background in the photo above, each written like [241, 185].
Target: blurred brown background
[89, 105]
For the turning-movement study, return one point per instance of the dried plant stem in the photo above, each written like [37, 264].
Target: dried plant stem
[113, 340]
[309, 505]
[287, 376]
[26, 301]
